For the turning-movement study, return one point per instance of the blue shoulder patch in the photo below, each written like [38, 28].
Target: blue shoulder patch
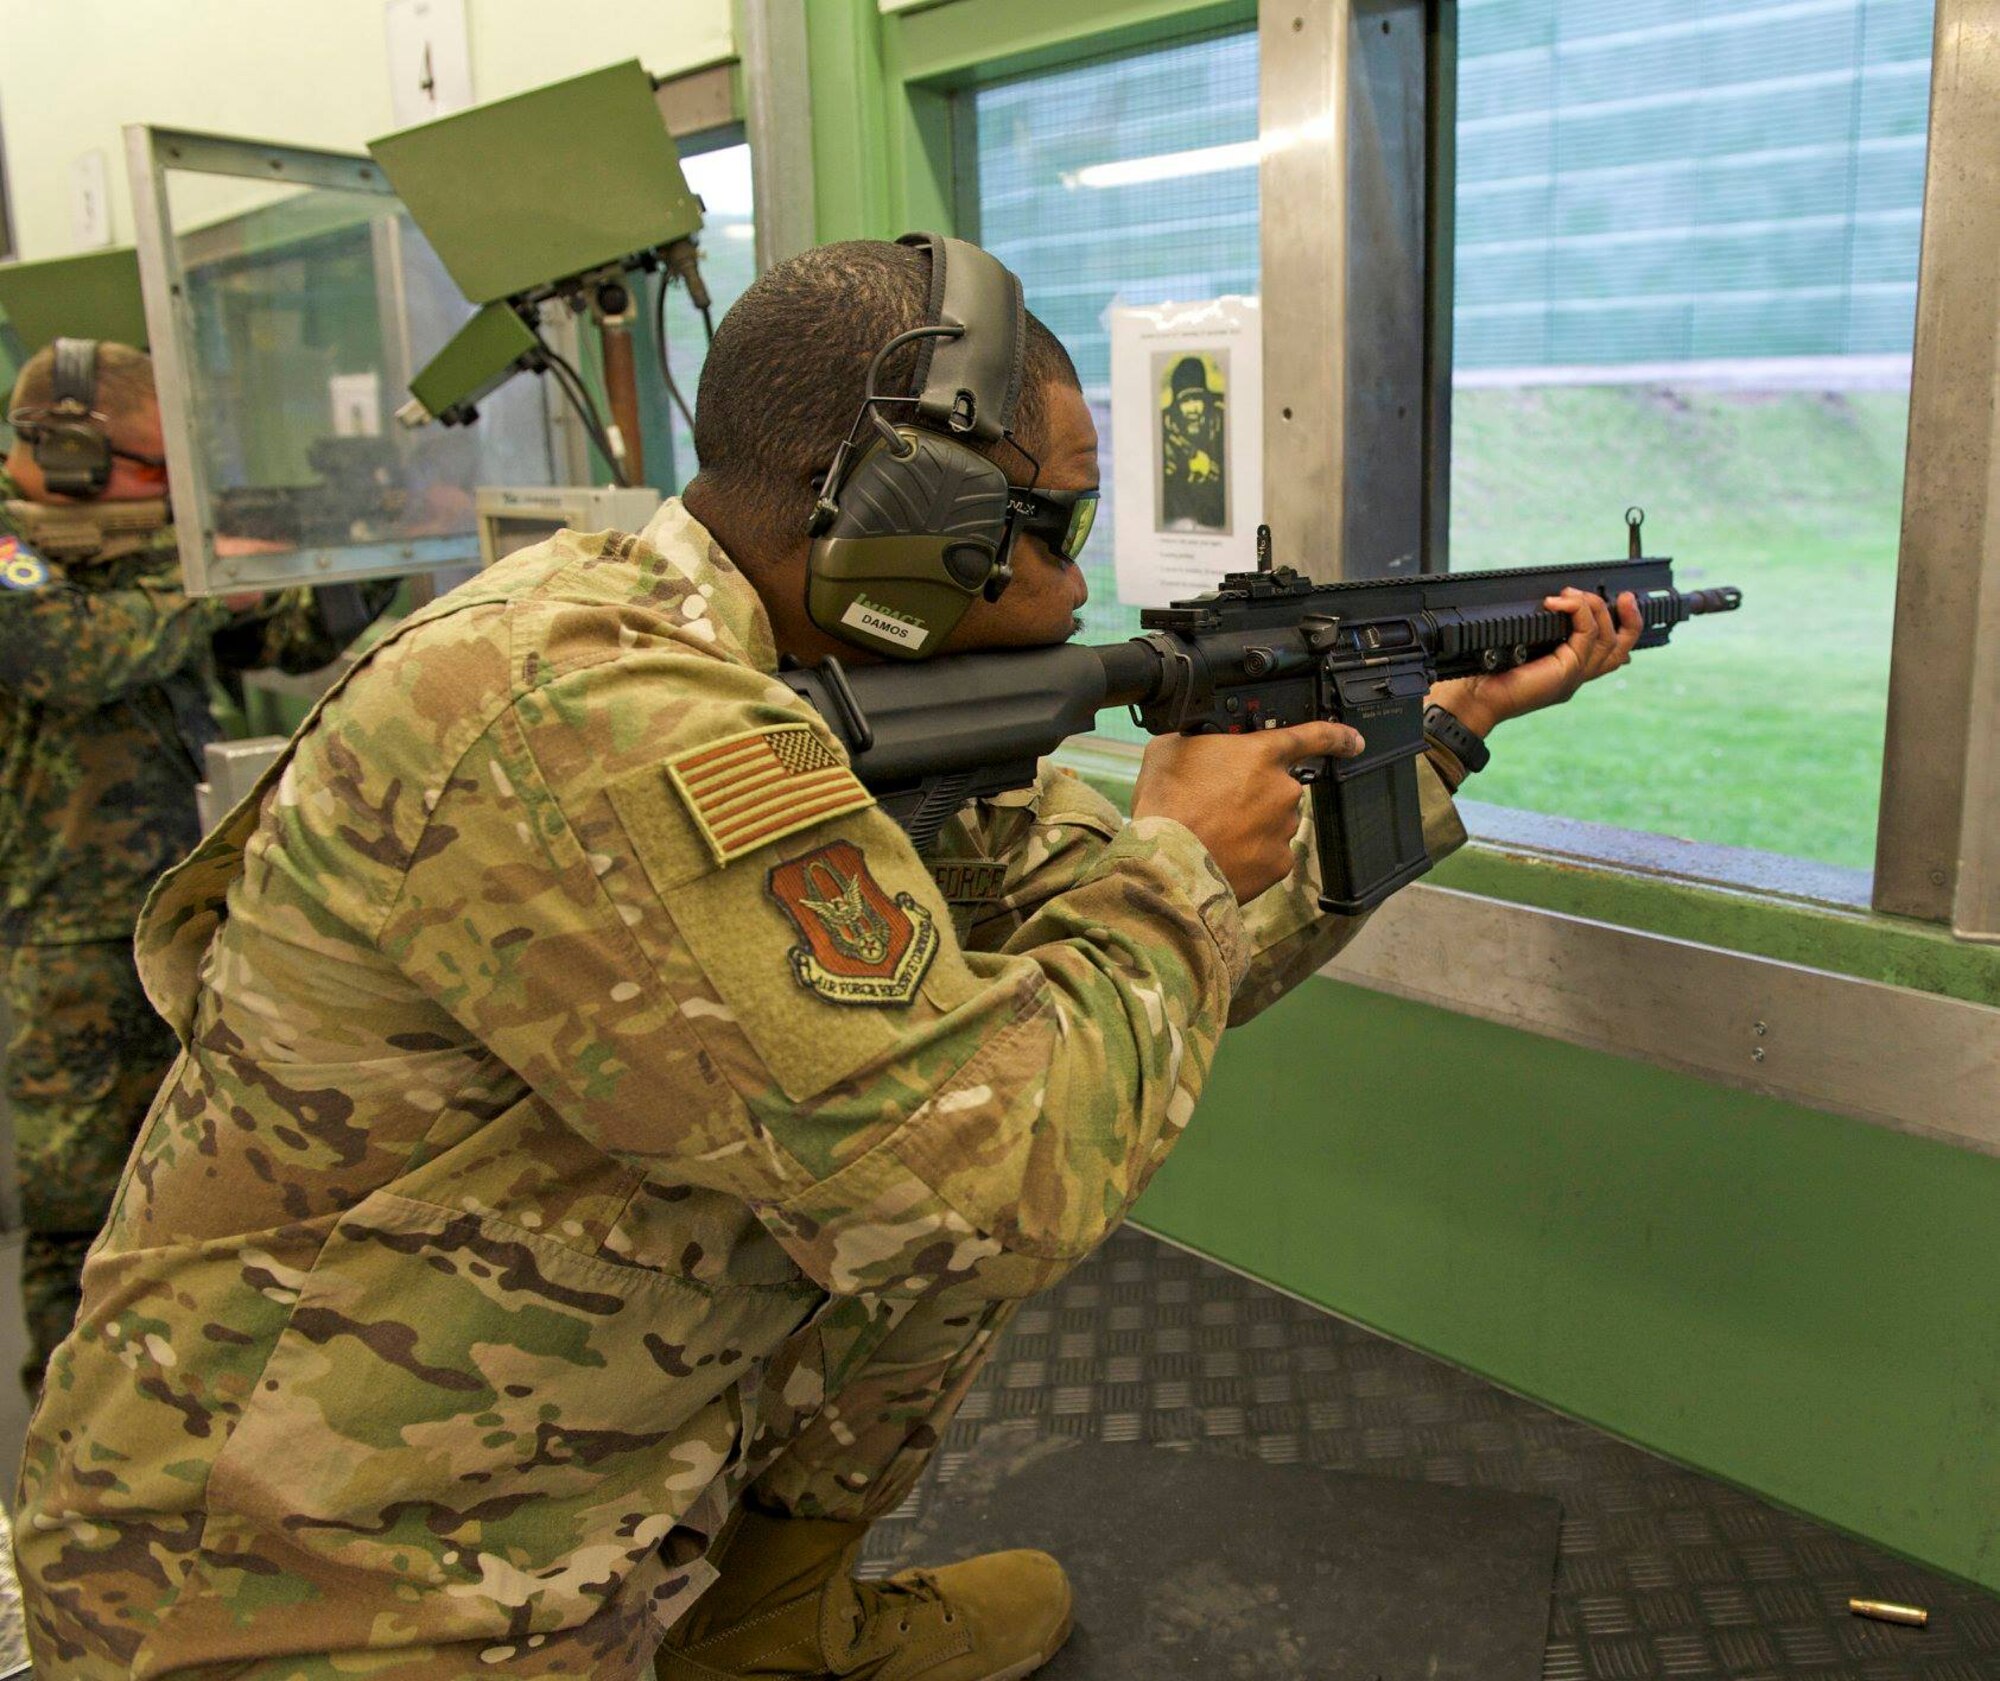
[20, 567]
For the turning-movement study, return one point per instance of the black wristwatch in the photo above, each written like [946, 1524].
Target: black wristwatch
[1440, 726]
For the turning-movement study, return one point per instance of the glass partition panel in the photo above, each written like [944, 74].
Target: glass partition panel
[1130, 180]
[287, 315]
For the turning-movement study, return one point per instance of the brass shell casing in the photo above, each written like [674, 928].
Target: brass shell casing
[1882, 1611]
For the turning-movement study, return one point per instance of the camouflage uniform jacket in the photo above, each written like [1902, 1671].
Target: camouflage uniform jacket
[578, 1065]
[105, 669]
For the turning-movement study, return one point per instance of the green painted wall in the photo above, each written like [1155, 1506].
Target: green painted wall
[854, 113]
[1801, 1304]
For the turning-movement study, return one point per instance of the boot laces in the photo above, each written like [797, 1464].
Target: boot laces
[893, 1601]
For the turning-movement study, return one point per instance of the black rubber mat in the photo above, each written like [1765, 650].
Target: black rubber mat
[1200, 1565]
[1662, 1573]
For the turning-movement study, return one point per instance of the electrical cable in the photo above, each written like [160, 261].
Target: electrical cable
[570, 383]
[660, 346]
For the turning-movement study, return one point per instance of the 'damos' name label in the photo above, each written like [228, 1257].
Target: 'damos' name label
[865, 615]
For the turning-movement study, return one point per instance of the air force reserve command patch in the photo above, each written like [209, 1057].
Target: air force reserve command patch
[861, 946]
[20, 567]
[755, 788]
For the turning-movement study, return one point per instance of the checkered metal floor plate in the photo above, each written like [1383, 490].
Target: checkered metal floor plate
[1663, 1573]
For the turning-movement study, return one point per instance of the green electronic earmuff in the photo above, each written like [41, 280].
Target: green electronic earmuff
[912, 524]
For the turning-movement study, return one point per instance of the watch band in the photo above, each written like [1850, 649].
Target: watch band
[1450, 734]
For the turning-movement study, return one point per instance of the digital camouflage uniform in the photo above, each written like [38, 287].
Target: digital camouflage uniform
[104, 682]
[590, 1113]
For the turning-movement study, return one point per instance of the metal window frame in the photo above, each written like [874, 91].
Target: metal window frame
[1353, 206]
[1356, 110]
[1938, 842]
[1911, 1061]
[1355, 179]
[8, 247]
[150, 154]
[1976, 898]
[777, 114]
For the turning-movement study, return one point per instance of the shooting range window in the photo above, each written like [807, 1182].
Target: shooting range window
[720, 176]
[1686, 278]
[1125, 181]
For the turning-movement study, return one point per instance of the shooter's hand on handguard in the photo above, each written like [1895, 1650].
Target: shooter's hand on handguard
[1595, 647]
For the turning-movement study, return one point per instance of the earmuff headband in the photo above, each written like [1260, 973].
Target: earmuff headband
[971, 384]
[74, 378]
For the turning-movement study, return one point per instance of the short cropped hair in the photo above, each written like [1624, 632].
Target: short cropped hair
[785, 376]
[124, 381]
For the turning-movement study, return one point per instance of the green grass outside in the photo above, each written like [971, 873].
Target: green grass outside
[1760, 729]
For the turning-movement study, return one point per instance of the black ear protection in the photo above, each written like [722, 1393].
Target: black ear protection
[72, 448]
[913, 524]
[72, 445]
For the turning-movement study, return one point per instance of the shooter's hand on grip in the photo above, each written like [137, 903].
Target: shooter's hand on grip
[1596, 646]
[1238, 794]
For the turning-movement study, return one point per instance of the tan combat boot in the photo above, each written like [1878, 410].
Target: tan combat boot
[785, 1608]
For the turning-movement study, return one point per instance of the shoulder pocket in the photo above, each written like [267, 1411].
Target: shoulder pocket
[826, 951]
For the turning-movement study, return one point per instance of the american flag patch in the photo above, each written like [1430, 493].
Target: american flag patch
[758, 787]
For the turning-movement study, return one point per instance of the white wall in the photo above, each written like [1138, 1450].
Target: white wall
[309, 72]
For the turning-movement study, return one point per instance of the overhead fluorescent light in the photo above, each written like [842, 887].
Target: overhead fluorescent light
[1167, 166]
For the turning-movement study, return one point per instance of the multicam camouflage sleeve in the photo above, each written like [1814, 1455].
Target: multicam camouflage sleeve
[903, 1113]
[1000, 860]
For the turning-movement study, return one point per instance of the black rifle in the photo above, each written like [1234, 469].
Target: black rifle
[1263, 650]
